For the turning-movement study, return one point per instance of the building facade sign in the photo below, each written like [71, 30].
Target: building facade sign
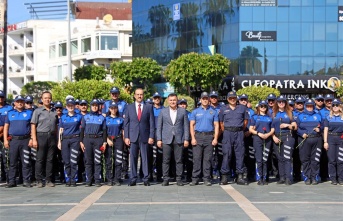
[176, 11]
[248, 3]
[340, 13]
[258, 36]
[114, 54]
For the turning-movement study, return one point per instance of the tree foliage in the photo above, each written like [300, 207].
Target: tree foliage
[35, 88]
[90, 72]
[339, 91]
[141, 72]
[256, 94]
[193, 69]
[190, 101]
[87, 89]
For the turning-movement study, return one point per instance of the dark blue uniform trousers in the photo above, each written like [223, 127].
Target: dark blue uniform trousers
[262, 150]
[70, 155]
[93, 155]
[19, 148]
[114, 160]
[335, 157]
[202, 156]
[233, 141]
[284, 154]
[309, 153]
[134, 153]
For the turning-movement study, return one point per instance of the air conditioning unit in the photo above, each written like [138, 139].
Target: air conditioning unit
[31, 33]
[31, 55]
[32, 78]
[21, 36]
[15, 47]
[22, 58]
[29, 45]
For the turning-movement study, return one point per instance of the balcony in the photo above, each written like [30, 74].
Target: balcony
[29, 47]
[15, 51]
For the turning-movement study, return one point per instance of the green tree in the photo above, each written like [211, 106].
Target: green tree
[250, 62]
[90, 72]
[256, 94]
[194, 69]
[190, 101]
[87, 89]
[35, 88]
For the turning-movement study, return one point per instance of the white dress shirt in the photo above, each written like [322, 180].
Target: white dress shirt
[173, 115]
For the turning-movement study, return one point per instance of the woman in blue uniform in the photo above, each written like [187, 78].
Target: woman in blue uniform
[260, 128]
[333, 132]
[114, 152]
[93, 142]
[69, 142]
[283, 124]
[309, 123]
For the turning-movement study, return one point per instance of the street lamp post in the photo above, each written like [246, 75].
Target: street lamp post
[5, 48]
[69, 72]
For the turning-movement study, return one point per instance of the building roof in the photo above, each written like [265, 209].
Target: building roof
[92, 10]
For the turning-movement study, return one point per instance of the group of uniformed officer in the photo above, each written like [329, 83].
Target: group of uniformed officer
[292, 140]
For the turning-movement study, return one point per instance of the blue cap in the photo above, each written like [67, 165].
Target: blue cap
[299, 100]
[70, 101]
[77, 101]
[58, 104]
[2, 94]
[113, 104]
[83, 101]
[149, 101]
[29, 98]
[156, 94]
[52, 103]
[95, 101]
[115, 90]
[214, 94]
[310, 102]
[19, 98]
[221, 104]
[281, 98]
[101, 101]
[204, 94]
[243, 96]
[182, 101]
[263, 102]
[328, 97]
[336, 101]
[319, 96]
[291, 102]
[232, 94]
[40, 101]
[271, 97]
[199, 103]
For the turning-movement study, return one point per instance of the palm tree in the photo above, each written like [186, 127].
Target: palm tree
[249, 62]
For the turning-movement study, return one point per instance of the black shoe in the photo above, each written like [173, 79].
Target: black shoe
[224, 180]
[194, 183]
[281, 181]
[39, 185]
[179, 183]
[265, 182]
[159, 180]
[98, 184]
[207, 183]
[260, 182]
[146, 183]
[68, 184]
[314, 182]
[50, 184]
[308, 182]
[27, 184]
[340, 182]
[117, 183]
[241, 180]
[132, 183]
[334, 182]
[10, 185]
[73, 184]
[109, 183]
[165, 183]
[88, 184]
[288, 182]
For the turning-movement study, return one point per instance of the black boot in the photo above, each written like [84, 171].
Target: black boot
[241, 180]
[224, 180]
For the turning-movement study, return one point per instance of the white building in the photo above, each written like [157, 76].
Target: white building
[37, 49]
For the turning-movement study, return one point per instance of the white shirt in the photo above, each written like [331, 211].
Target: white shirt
[136, 104]
[173, 115]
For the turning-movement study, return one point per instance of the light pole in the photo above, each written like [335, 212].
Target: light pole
[69, 72]
[5, 48]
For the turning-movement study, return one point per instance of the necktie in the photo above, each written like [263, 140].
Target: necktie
[139, 112]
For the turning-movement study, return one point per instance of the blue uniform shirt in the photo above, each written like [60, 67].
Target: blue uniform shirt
[296, 113]
[262, 123]
[233, 118]
[3, 113]
[114, 125]
[70, 124]
[19, 122]
[281, 118]
[65, 111]
[324, 112]
[156, 113]
[307, 121]
[334, 124]
[251, 113]
[94, 123]
[121, 107]
[204, 119]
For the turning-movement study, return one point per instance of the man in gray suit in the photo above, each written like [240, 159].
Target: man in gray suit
[172, 135]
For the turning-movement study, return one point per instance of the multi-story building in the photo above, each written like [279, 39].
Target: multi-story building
[264, 39]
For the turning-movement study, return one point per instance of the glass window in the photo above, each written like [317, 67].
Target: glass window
[331, 2]
[258, 14]
[332, 67]
[340, 65]
[270, 49]
[282, 14]
[294, 14]
[294, 49]
[319, 66]
[130, 40]
[340, 48]
[294, 32]
[295, 2]
[306, 65]
[282, 32]
[74, 47]
[307, 2]
[246, 26]
[270, 14]
[318, 14]
[59, 72]
[245, 14]
[282, 48]
[62, 51]
[340, 31]
[283, 3]
[282, 66]
[331, 31]
[319, 49]
[319, 32]
[307, 32]
[331, 48]
[270, 26]
[270, 65]
[331, 14]
[307, 49]
[52, 51]
[109, 42]
[294, 66]
[85, 45]
[307, 14]
[319, 2]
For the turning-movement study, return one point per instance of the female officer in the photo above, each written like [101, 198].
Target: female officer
[93, 142]
[68, 142]
[114, 152]
[283, 124]
[260, 127]
[333, 130]
[309, 123]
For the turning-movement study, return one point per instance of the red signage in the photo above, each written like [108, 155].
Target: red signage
[9, 28]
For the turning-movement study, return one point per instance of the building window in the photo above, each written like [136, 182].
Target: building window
[52, 51]
[62, 49]
[130, 40]
[86, 45]
[74, 47]
[109, 42]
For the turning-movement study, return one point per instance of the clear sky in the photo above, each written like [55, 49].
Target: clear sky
[18, 12]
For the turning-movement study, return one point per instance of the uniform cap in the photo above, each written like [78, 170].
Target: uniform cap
[328, 97]
[214, 94]
[52, 103]
[2, 94]
[71, 101]
[291, 102]
[336, 101]
[271, 97]
[101, 101]
[263, 102]
[156, 94]
[19, 98]
[231, 94]
[69, 97]
[309, 102]
[221, 104]
[113, 104]
[300, 100]
[114, 90]
[83, 102]
[204, 94]
[243, 96]
[319, 96]
[182, 101]
[95, 101]
[40, 101]
[281, 98]
[149, 101]
[58, 104]
[29, 98]
[77, 101]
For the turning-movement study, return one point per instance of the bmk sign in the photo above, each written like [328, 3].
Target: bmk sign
[258, 36]
[176, 12]
[340, 13]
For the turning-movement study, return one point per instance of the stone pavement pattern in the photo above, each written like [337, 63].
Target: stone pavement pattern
[232, 202]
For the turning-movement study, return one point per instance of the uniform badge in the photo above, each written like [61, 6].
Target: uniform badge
[211, 112]
[118, 121]
[75, 119]
[24, 115]
[314, 117]
[13, 115]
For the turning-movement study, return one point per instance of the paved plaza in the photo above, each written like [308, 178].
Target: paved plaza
[231, 202]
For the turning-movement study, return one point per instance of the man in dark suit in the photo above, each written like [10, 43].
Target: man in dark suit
[172, 135]
[139, 131]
